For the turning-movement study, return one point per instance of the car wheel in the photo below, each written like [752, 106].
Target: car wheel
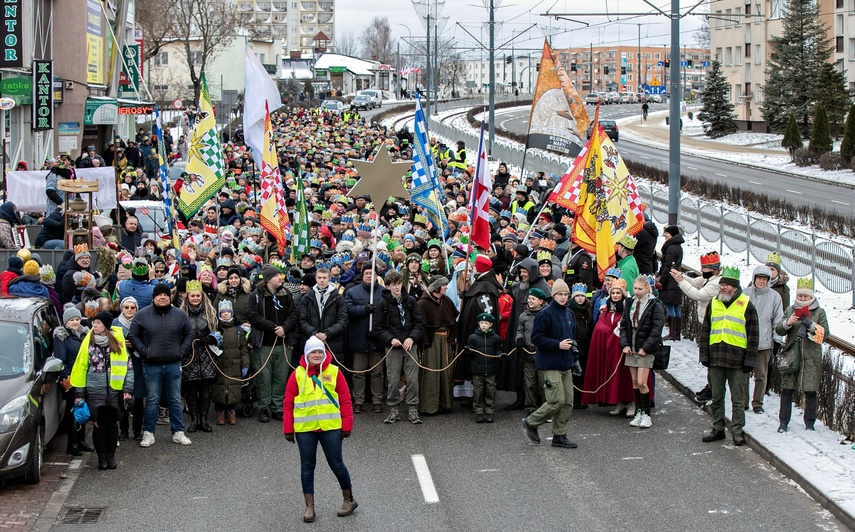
[34, 472]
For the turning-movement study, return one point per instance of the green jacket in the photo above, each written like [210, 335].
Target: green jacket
[807, 379]
[629, 271]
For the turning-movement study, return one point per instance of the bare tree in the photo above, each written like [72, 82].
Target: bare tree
[346, 43]
[452, 70]
[702, 34]
[154, 18]
[377, 40]
[204, 28]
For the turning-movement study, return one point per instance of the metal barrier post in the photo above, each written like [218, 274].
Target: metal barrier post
[778, 239]
[748, 238]
[853, 277]
[700, 221]
[813, 259]
[721, 229]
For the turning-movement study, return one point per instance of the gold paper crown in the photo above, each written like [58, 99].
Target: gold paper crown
[805, 283]
[547, 244]
[628, 241]
[194, 286]
[420, 219]
[205, 268]
[775, 259]
[81, 248]
[544, 256]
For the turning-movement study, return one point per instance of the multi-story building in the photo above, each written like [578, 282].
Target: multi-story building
[295, 22]
[741, 37]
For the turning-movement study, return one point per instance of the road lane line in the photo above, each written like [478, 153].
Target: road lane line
[425, 479]
[795, 192]
[644, 157]
[721, 175]
[839, 202]
[755, 182]
[692, 168]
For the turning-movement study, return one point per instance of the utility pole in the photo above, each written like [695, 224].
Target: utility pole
[674, 112]
[427, 58]
[639, 84]
[513, 64]
[398, 70]
[492, 103]
[591, 67]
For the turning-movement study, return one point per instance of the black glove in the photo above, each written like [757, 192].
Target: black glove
[211, 340]
[747, 369]
[503, 355]
[520, 343]
[289, 436]
[705, 364]
[576, 370]
[369, 308]
[807, 322]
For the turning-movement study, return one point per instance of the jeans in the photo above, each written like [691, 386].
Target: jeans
[330, 441]
[164, 378]
[674, 311]
[54, 244]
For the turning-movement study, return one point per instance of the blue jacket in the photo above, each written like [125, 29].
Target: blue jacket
[140, 290]
[28, 286]
[552, 325]
[355, 300]
[53, 228]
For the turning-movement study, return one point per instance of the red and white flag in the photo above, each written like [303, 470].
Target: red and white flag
[480, 202]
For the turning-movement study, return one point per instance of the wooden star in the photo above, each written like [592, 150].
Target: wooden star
[380, 178]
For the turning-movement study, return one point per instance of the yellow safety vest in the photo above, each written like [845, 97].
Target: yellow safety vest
[313, 409]
[118, 362]
[727, 324]
[460, 161]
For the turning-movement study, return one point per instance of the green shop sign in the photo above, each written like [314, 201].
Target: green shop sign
[337, 69]
[19, 88]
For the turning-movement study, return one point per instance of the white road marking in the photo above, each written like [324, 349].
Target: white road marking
[76, 463]
[794, 192]
[643, 157]
[692, 168]
[665, 162]
[755, 182]
[839, 202]
[487, 470]
[425, 479]
[632, 458]
[721, 175]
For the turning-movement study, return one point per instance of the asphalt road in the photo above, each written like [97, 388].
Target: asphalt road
[487, 477]
[797, 190]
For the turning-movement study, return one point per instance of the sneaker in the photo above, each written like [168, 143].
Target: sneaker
[636, 421]
[392, 417]
[181, 439]
[147, 439]
[645, 422]
[630, 410]
[758, 410]
[414, 416]
[488, 418]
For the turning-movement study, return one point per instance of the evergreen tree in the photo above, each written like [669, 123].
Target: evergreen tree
[834, 96]
[847, 147]
[792, 73]
[792, 137]
[820, 138]
[717, 113]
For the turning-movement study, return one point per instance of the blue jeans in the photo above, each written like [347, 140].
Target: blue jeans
[165, 378]
[54, 244]
[674, 311]
[330, 441]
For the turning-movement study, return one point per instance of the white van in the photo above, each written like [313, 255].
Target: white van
[376, 95]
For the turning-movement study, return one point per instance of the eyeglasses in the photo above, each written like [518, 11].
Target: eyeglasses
[126, 307]
[159, 271]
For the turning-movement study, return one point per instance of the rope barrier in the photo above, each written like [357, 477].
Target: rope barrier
[237, 379]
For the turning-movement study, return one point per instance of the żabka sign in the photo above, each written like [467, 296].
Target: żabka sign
[42, 95]
[13, 48]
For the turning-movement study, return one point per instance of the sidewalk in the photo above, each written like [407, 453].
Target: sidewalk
[819, 462]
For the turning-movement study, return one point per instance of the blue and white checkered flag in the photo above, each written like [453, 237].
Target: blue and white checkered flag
[425, 190]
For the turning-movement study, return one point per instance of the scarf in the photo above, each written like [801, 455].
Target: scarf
[615, 306]
[124, 322]
[233, 291]
[100, 340]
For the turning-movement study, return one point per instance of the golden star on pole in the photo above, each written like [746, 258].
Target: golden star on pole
[380, 178]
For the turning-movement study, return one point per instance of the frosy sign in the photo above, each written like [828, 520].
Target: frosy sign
[42, 95]
[12, 33]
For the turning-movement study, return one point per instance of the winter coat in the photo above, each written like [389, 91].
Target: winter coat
[645, 249]
[770, 312]
[780, 285]
[584, 326]
[28, 286]
[131, 241]
[331, 320]
[228, 219]
[96, 388]
[161, 338]
[260, 314]
[7, 238]
[70, 290]
[139, 375]
[198, 362]
[648, 335]
[356, 299]
[239, 302]
[482, 296]
[552, 325]
[6, 277]
[66, 344]
[629, 271]
[387, 320]
[724, 355]
[53, 228]
[140, 290]
[672, 257]
[292, 390]
[436, 314]
[488, 343]
[701, 290]
[519, 291]
[807, 379]
[523, 336]
[234, 358]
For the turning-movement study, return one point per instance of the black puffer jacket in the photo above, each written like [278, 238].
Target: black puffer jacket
[161, 338]
[387, 320]
[198, 364]
[234, 358]
[261, 313]
[645, 249]
[650, 324]
[488, 343]
[672, 257]
[332, 321]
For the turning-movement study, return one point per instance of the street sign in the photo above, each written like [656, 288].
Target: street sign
[655, 81]
[706, 63]
[6, 104]
[177, 104]
[660, 63]
[682, 63]
[655, 89]
[129, 77]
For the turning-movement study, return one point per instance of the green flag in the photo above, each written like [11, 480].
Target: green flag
[300, 233]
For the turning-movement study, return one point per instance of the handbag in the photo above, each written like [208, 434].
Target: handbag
[81, 413]
[662, 357]
[790, 358]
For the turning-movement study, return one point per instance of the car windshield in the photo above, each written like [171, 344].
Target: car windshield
[17, 355]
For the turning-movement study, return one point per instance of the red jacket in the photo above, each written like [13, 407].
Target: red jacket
[293, 389]
[505, 304]
[5, 278]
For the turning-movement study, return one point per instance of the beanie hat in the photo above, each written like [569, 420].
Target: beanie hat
[234, 271]
[129, 299]
[47, 274]
[579, 289]
[36, 257]
[538, 293]
[104, 317]
[619, 283]
[161, 288]
[486, 317]
[804, 287]
[483, 264]
[70, 313]
[672, 230]
[436, 282]
[268, 272]
[730, 275]
[561, 229]
[314, 344]
[559, 286]
[309, 280]
[511, 237]
[24, 254]
[31, 268]
[15, 263]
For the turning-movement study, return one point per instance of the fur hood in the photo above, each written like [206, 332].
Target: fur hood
[61, 333]
[245, 286]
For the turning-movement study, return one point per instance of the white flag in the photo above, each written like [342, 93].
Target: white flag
[259, 87]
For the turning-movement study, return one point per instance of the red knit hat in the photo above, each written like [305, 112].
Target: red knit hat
[483, 263]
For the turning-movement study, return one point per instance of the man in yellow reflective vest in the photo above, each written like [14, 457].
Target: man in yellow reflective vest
[458, 162]
[728, 343]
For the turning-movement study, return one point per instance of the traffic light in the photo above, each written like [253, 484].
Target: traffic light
[623, 71]
[606, 70]
[509, 60]
[667, 63]
[690, 64]
[573, 67]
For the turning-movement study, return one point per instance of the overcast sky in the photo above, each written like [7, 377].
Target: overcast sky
[519, 15]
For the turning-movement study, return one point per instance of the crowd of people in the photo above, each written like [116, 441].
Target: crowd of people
[384, 315]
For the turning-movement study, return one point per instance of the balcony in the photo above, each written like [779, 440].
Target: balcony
[262, 6]
[308, 6]
[325, 6]
[325, 18]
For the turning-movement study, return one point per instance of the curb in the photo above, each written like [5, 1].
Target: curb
[846, 518]
[48, 518]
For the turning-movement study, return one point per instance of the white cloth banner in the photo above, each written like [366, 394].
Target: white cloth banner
[27, 189]
[260, 87]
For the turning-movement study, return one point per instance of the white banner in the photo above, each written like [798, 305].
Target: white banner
[27, 189]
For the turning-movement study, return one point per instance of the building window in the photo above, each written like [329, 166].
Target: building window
[777, 9]
[838, 44]
[728, 23]
[738, 19]
[718, 56]
[747, 50]
[728, 56]
[738, 56]
[852, 49]
[718, 19]
[196, 57]
[162, 59]
[656, 55]
[757, 54]
[839, 4]
[647, 56]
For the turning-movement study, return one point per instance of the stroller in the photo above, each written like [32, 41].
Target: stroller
[248, 397]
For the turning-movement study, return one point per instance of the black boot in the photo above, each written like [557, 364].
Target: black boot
[139, 413]
[111, 441]
[81, 440]
[676, 324]
[99, 438]
[193, 408]
[204, 408]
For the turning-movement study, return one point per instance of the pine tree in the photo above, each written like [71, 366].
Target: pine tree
[717, 113]
[834, 96]
[847, 147]
[792, 137]
[792, 73]
[820, 139]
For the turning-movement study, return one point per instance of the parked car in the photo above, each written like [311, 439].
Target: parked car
[592, 98]
[626, 97]
[654, 98]
[176, 169]
[610, 127]
[614, 98]
[374, 94]
[333, 106]
[151, 216]
[31, 404]
[363, 101]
